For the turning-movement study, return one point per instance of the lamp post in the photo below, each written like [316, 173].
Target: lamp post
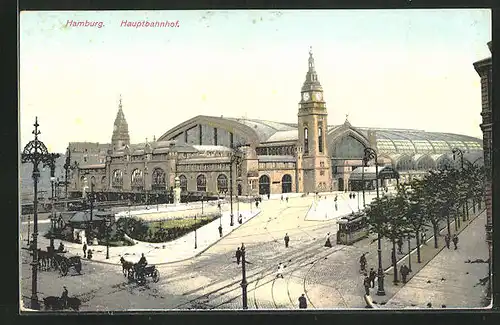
[202, 197]
[52, 216]
[244, 282]
[370, 154]
[234, 158]
[145, 185]
[91, 198]
[29, 219]
[157, 201]
[195, 235]
[460, 153]
[67, 167]
[238, 182]
[108, 224]
[36, 152]
[363, 180]
[409, 254]
[220, 209]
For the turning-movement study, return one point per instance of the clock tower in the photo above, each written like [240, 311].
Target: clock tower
[315, 173]
[120, 137]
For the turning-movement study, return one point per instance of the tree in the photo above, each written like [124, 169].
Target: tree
[432, 199]
[414, 213]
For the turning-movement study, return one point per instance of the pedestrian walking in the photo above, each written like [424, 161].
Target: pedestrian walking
[240, 219]
[287, 240]
[423, 237]
[282, 198]
[393, 257]
[447, 240]
[404, 270]
[372, 277]
[455, 240]
[84, 250]
[302, 302]
[353, 195]
[286, 199]
[350, 195]
[362, 263]
[220, 231]
[327, 242]
[238, 255]
[268, 196]
[400, 246]
[366, 284]
[89, 254]
[279, 273]
[336, 207]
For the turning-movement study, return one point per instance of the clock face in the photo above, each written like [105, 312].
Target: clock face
[305, 96]
[318, 96]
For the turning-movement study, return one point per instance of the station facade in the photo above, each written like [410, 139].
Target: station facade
[308, 156]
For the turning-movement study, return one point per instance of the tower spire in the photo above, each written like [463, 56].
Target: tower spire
[311, 82]
[120, 136]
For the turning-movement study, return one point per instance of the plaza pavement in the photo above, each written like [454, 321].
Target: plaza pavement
[329, 277]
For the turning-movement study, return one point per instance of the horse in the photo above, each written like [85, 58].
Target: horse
[126, 266]
[44, 259]
[56, 303]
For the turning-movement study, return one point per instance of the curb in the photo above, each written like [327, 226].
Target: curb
[188, 258]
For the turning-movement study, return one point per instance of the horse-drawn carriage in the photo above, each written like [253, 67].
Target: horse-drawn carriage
[63, 263]
[57, 260]
[138, 273]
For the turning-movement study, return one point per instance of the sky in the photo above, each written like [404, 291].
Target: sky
[384, 68]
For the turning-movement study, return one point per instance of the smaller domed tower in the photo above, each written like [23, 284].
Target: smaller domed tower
[120, 137]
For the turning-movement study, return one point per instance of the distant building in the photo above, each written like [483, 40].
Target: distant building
[308, 156]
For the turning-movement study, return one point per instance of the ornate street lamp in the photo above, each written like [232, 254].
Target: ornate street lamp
[244, 282]
[108, 224]
[36, 152]
[195, 234]
[369, 155]
[52, 215]
[235, 157]
[238, 182]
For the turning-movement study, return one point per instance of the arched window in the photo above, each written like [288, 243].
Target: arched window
[286, 183]
[158, 179]
[306, 141]
[137, 179]
[201, 183]
[92, 181]
[221, 183]
[320, 139]
[117, 180]
[184, 183]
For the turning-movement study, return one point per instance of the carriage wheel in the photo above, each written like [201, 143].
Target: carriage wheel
[63, 268]
[156, 276]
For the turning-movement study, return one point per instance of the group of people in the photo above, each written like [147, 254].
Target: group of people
[454, 239]
[87, 253]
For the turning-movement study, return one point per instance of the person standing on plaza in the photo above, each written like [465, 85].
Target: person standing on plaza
[220, 231]
[400, 246]
[423, 237]
[366, 284]
[287, 240]
[362, 263]
[327, 242]
[394, 259]
[238, 255]
[302, 302]
[447, 240]
[286, 199]
[372, 276]
[279, 273]
[240, 219]
[404, 272]
[455, 241]
[64, 297]
[268, 196]
[84, 250]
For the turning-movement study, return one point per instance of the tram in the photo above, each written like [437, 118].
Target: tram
[352, 228]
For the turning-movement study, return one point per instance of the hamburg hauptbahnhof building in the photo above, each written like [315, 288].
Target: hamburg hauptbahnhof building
[265, 157]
